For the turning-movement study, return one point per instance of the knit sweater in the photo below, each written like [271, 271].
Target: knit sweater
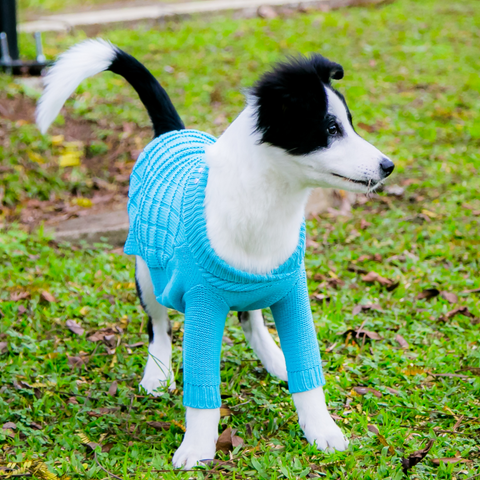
[168, 231]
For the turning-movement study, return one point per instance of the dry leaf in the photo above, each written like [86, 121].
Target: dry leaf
[9, 425]
[373, 429]
[459, 310]
[381, 439]
[474, 370]
[428, 293]
[21, 310]
[364, 224]
[135, 345]
[370, 306]
[36, 426]
[107, 447]
[3, 347]
[372, 277]
[475, 290]
[225, 411]
[112, 391]
[228, 441]
[365, 390]
[101, 335]
[72, 401]
[416, 457]
[74, 327]
[100, 412]
[438, 461]
[393, 391]
[360, 333]
[159, 425]
[16, 296]
[48, 297]
[401, 341]
[449, 297]
[77, 362]
[320, 297]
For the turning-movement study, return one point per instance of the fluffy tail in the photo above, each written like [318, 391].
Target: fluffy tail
[94, 56]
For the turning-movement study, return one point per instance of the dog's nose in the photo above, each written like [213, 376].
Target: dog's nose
[387, 166]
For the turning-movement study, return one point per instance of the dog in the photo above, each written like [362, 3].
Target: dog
[218, 225]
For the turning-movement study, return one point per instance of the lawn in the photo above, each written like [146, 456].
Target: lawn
[412, 84]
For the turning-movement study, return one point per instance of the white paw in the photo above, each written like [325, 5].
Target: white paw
[156, 379]
[326, 436]
[191, 452]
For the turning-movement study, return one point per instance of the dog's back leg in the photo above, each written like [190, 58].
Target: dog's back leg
[158, 371]
[262, 343]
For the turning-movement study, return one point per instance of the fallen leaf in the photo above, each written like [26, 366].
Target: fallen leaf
[107, 447]
[475, 290]
[416, 457]
[3, 347]
[372, 277]
[16, 296]
[227, 340]
[401, 341]
[100, 412]
[72, 401]
[228, 440]
[392, 391]
[135, 345]
[459, 310]
[360, 333]
[10, 425]
[438, 461]
[364, 224]
[112, 391]
[449, 297]
[74, 327]
[320, 297]
[36, 426]
[77, 362]
[265, 11]
[225, 411]
[394, 190]
[381, 438]
[99, 336]
[365, 390]
[48, 297]
[159, 425]
[428, 293]
[369, 306]
[414, 370]
[22, 310]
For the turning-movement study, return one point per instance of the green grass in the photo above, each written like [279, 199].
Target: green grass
[412, 84]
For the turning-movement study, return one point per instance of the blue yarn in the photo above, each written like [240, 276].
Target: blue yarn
[168, 230]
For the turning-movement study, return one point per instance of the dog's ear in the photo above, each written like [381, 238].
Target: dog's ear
[291, 103]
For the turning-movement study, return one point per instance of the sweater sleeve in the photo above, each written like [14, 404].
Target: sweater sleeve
[205, 316]
[294, 322]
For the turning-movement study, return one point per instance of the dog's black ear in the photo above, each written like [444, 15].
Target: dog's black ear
[326, 69]
[291, 103]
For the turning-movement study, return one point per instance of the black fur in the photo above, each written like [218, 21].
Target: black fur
[149, 324]
[292, 104]
[156, 100]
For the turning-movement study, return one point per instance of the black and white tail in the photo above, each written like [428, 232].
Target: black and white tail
[94, 56]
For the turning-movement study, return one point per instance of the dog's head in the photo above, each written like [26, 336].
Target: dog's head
[299, 112]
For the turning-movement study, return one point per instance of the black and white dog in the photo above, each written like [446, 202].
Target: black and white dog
[294, 134]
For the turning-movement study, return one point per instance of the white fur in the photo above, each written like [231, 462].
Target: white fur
[317, 424]
[256, 193]
[200, 438]
[263, 344]
[158, 371]
[72, 67]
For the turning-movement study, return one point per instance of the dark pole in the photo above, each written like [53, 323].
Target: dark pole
[8, 24]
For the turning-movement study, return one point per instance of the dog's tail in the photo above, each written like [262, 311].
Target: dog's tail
[94, 56]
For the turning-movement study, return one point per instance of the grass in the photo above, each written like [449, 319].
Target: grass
[412, 83]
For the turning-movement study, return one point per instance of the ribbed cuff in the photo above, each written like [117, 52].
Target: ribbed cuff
[306, 379]
[201, 396]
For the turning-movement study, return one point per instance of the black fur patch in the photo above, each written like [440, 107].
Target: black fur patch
[292, 104]
[150, 329]
[156, 100]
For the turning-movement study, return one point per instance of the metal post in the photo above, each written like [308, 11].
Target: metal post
[8, 24]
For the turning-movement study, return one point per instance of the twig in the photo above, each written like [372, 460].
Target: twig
[474, 476]
[104, 469]
[459, 421]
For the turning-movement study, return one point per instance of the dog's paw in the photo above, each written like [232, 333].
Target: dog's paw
[156, 379]
[326, 435]
[191, 452]
[155, 386]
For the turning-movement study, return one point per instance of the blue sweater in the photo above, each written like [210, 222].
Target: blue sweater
[168, 230]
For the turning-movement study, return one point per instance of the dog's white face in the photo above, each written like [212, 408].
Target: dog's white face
[309, 127]
[349, 162]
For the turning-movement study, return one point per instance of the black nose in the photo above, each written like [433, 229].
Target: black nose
[387, 166]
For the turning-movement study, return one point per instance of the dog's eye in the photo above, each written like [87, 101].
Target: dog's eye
[332, 129]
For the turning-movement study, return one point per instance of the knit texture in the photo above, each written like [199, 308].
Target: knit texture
[168, 230]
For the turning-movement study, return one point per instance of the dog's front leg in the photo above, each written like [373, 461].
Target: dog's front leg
[200, 438]
[317, 424]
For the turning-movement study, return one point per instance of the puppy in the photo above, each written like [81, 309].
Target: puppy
[217, 225]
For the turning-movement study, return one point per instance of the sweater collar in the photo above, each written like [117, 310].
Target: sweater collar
[212, 265]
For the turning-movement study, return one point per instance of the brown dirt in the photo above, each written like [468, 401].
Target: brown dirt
[109, 172]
